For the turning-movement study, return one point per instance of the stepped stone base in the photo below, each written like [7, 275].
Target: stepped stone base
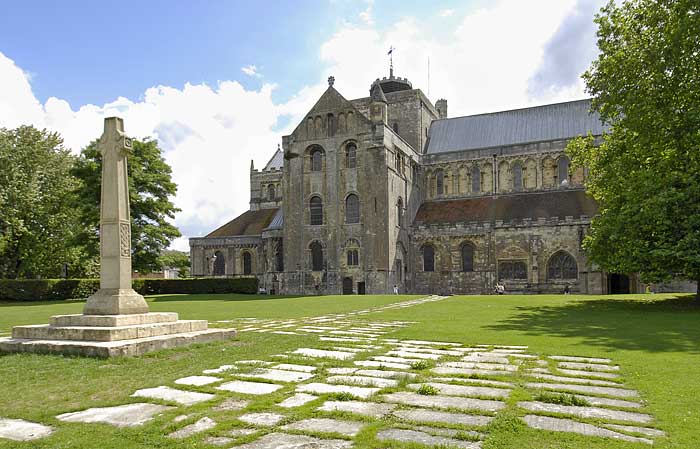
[111, 335]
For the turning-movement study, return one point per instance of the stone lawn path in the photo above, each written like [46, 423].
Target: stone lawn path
[357, 381]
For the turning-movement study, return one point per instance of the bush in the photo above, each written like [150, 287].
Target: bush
[62, 289]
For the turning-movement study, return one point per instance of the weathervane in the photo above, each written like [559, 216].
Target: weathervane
[391, 61]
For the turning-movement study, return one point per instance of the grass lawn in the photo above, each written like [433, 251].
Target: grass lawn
[654, 338]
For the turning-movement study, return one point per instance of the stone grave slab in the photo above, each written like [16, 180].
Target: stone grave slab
[173, 395]
[371, 409]
[363, 380]
[218, 441]
[197, 427]
[418, 349]
[579, 373]
[378, 364]
[278, 375]
[322, 353]
[566, 358]
[585, 412]
[384, 374]
[294, 367]
[327, 425]
[287, 441]
[413, 355]
[444, 402]
[634, 429]
[245, 387]
[128, 415]
[568, 425]
[262, 419]
[219, 370]
[414, 436]
[445, 370]
[593, 400]
[341, 370]
[241, 432]
[231, 404]
[382, 358]
[486, 358]
[198, 381]
[575, 380]
[21, 430]
[450, 432]
[426, 416]
[464, 390]
[297, 400]
[607, 391]
[589, 366]
[467, 380]
[430, 343]
[481, 365]
[322, 388]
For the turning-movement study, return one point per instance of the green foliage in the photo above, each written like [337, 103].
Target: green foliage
[37, 221]
[62, 289]
[561, 399]
[428, 390]
[150, 189]
[646, 173]
[177, 260]
[421, 365]
[341, 396]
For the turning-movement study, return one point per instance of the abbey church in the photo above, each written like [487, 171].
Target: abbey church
[389, 191]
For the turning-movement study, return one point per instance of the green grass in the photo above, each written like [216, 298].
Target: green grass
[654, 338]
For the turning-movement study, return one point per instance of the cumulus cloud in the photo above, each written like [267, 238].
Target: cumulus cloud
[209, 134]
[366, 15]
[251, 70]
[568, 53]
[447, 12]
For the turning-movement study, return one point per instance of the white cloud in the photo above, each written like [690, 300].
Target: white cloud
[251, 70]
[366, 15]
[447, 12]
[210, 133]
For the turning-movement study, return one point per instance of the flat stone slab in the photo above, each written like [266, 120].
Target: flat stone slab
[287, 441]
[279, 375]
[581, 373]
[21, 430]
[322, 353]
[327, 425]
[421, 350]
[465, 390]
[341, 370]
[494, 383]
[128, 415]
[593, 400]
[262, 419]
[197, 427]
[575, 380]
[589, 366]
[449, 432]
[321, 388]
[445, 370]
[294, 367]
[444, 402]
[634, 429]
[231, 404]
[173, 395]
[414, 436]
[113, 320]
[383, 373]
[378, 364]
[106, 334]
[427, 416]
[198, 381]
[566, 358]
[400, 360]
[607, 391]
[297, 400]
[586, 412]
[371, 409]
[367, 381]
[218, 441]
[486, 358]
[413, 355]
[219, 370]
[242, 386]
[568, 425]
[430, 343]
[481, 365]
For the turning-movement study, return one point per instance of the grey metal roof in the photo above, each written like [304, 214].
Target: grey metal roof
[276, 162]
[540, 123]
[277, 221]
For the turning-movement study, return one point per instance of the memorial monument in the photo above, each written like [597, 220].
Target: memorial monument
[116, 320]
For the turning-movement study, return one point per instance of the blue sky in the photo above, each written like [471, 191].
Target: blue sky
[218, 83]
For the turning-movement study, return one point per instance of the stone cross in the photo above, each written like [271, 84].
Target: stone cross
[115, 296]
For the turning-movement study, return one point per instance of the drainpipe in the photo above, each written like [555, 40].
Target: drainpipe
[495, 177]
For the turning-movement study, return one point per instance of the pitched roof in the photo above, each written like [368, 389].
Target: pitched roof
[276, 162]
[530, 205]
[518, 126]
[377, 94]
[251, 222]
[277, 221]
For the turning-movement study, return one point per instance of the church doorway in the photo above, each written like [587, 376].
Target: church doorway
[347, 286]
[618, 284]
[360, 288]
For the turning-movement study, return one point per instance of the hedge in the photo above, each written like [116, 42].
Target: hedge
[61, 289]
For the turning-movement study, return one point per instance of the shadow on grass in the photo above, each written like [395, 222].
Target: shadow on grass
[670, 324]
[215, 297]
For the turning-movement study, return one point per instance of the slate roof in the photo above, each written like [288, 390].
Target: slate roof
[276, 162]
[531, 205]
[518, 126]
[277, 221]
[251, 222]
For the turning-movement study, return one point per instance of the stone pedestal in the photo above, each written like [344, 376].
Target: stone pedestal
[115, 320]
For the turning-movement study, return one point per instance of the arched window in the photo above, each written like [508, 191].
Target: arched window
[279, 257]
[316, 160]
[353, 257]
[219, 264]
[316, 256]
[428, 258]
[352, 209]
[331, 125]
[518, 176]
[395, 127]
[351, 156]
[476, 179]
[440, 182]
[562, 266]
[512, 269]
[563, 169]
[399, 212]
[271, 192]
[316, 210]
[467, 257]
[247, 263]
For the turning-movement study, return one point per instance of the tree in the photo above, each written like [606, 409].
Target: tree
[150, 189]
[177, 260]
[645, 174]
[38, 224]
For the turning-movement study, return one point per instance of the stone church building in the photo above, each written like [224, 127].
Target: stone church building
[388, 190]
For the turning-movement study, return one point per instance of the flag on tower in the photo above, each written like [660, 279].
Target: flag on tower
[391, 49]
